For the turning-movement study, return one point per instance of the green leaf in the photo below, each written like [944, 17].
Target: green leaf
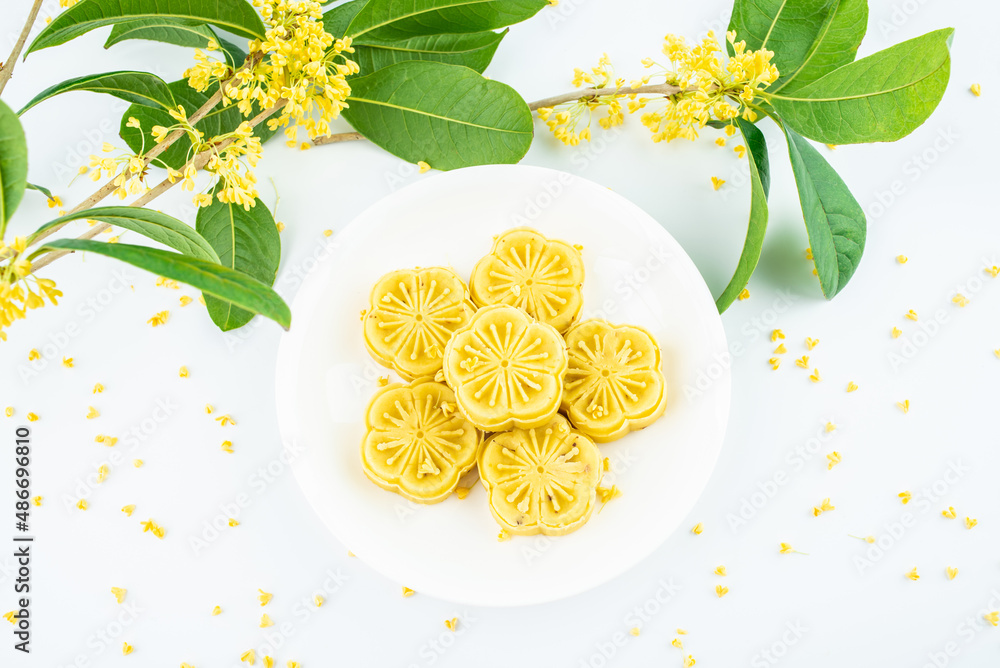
[155, 225]
[235, 16]
[337, 19]
[140, 88]
[42, 189]
[246, 241]
[809, 38]
[13, 164]
[446, 115]
[883, 97]
[836, 45]
[760, 184]
[834, 220]
[179, 32]
[218, 121]
[210, 278]
[473, 50]
[406, 18]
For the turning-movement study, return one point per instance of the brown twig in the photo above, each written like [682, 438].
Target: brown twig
[7, 69]
[198, 161]
[582, 94]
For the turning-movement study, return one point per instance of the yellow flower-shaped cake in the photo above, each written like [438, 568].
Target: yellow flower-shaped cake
[412, 315]
[614, 384]
[417, 444]
[506, 369]
[541, 480]
[541, 276]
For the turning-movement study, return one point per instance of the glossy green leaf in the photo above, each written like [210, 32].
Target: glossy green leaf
[218, 121]
[154, 225]
[13, 164]
[836, 45]
[473, 50]
[140, 88]
[42, 189]
[336, 20]
[446, 115]
[235, 16]
[760, 185]
[883, 97]
[246, 241]
[405, 18]
[834, 220]
[179, 32]
[213, 279]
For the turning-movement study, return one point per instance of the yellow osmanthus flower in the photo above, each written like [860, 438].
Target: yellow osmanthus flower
[151, 526]
[949, 513]
[823, 507]
[33, 354]
[98, 388]
[32, 417]
[82, 504]
[993, 271]
[249, 656]
[912, 574]
[697, 529]
[129, 509]
[119, 594]
[102, 473]
[777, 334]
[775, 363]
[318, 601]
[291, 664]
[265, 621]
[896, 331]
[634, 631]
[802, 362]
[263, 597]
[407, 592]
[960, 300]
[781, 349]
[423, 167]
[137, 463]
[676, 642]
[451, 624]
[740, 151]
[744, 295]
[9, 411]
[833, 459]
[209, 408]
[977, 90]
[159, 319]
[720, 570]
[911, 315]
[717, 183]
[815, 377]
[233, 522]
[224, 420]
[267, 662]
[786, 548]
[905, 497]
[830, 427]
[106, 440]
[183, 372]
[970, 522]
[993, 617]
[952, 572]
[67, 362]
[126, 649]
[689, 661]
[503, 536]
[852, 386]
[809, 253]
[721, 591]
[92, 413]
[227, 446]
[605, 494]
[37, 500]
[185, 300]
[904, 405]
[217, 610]
[811, 343]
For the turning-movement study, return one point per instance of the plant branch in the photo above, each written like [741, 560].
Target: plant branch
[583, 94]
[7, 68]
[198, 161]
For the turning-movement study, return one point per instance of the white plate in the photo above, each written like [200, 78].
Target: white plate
[635, 273]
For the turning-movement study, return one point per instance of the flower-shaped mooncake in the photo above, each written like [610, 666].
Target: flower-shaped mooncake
[417, 444]
[541, 276]
[541, 480]
[412, 315]
[506, 369]
[614, 384]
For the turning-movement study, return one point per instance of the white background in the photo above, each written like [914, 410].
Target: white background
[838, 606]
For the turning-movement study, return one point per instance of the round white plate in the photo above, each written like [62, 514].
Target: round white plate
[635, 273]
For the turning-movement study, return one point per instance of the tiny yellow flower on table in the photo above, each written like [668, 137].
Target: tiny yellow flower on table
[970, 522]
[126, 649]
[717, 183]
[697, 529]
[976, 89]
[119, 594]
[265, 621]
[952, 572]
[264, 597]
[802, 362]
[451, 624]
[833, 459]
[852, 386]
[689, 661]
[407, 592]
[720, 570]
[781, 349]
[912, 574]
[744, 295]
[32, 417]
[905, 497]
[721, 591]
[634, 631]
[98, 388]
[777, 334]
[904, 405]
[992, 617]
[949, 513]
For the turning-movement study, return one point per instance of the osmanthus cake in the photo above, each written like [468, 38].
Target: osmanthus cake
[506, 369]
[614, 384]
[411, 317]
[543, 277]
[541, 480]
[417, 444]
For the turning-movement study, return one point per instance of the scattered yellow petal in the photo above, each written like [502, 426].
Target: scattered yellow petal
[264, 597]
[265, 621]
[949, 513]
[823, 507]
[33, 354]
[92, 413]
[268, 662]
[248, 656]
[98, 388]
[383, 381]
[318, 601]
[185, 300]
[811, 343]
[904, 405]
[720, 570]
[833, 458]
[717, 182]
[462, 492]
[815, 377]
[960, 300]
[913, 574]
[227, 446]
[832, 147]
[775, 363]
[777, 334]
[451, 624]
[786, 548]
[407, 592]
[605, 494]
[217, 610]
[129, 509]
[137, 463]
[992, 617]
[721, 591]
[183, 373]
[102, 473]
[10, 617]
[802, 362]
[905, 497]
[291, 664]
[744, 295]
[993, 271]
[689, 661]
[327, 233]
[720, 141]
[681, 632]
[424, 167]
[119, 594]
[676, 642]
[233, 522]
[902, 259]
[37, 500]
[68, 362]
[969, 522]
[740, 150]
[952, 572]
[106, 440]
[809, 253]
[209, 408]
[223, 420]
[159, 319]
[697, 529]
[852, 386]
[9, 411]
[32, 417]
[976, 90]
[82, 504]
[781, 349]
[896, 331]
[503, 536]
[830, 427]
[126, 649]
[911, 315]
[634, 631]
[281, 226]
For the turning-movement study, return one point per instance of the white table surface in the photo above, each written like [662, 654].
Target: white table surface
[835, 607]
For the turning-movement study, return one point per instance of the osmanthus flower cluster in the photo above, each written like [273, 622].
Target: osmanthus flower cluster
[20, 291]
[702, 88]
